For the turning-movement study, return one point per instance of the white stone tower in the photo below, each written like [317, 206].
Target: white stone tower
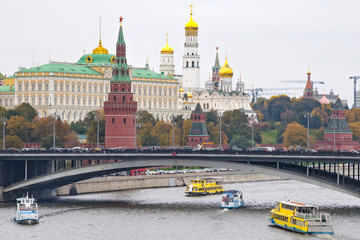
[167, 66]
[191, 58]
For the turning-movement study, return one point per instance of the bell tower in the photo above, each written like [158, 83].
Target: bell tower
[120, 108]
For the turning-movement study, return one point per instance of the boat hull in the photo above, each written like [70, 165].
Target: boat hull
[325, 230]
[239, 205]
[27, 221]
[201, 193]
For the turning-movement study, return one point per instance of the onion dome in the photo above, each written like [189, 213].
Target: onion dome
[167, 48]
[240, 84]
[189, 95]
[191, 25]
[324, 100]
[100, 49]
[181, 89]
[226, 71]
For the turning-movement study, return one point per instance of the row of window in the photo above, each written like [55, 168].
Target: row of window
[67, 88]
[61, 101]
[280, 217]
[154, 91]
[157, 104]
[192, 64]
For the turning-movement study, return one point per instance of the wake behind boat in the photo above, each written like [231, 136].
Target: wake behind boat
[232, 199]
[26, 210]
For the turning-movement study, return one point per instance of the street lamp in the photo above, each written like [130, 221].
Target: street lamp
[252, 131]
[173, 136]
[3, 119]
[220, 129]
[54, 130]
[308, 115]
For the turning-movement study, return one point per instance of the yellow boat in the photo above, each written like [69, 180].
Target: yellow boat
[204, 186]
[301, 217]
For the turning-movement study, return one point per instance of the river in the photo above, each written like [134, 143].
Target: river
[165, 213]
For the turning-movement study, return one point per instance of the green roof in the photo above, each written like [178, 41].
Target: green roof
[1, 76]
[10, 77]
[61, 68]
[7, 89]
[144, 73]
[97, 59]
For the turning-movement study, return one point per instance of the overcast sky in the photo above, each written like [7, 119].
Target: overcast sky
[266, 40]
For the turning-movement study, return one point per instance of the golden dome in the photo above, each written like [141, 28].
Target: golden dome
[100, 49]
[226, 71]
[181, 89]
[308, 72]
[189, 95]
[191, 25]
[167, 48]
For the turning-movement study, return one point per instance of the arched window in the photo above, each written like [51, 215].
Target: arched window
[207, 106]
[123, 99]
[113, 120]
[124, 120]
[204, 106]
[187, 64]
[114, 98]
[197, 64]
[192, 64]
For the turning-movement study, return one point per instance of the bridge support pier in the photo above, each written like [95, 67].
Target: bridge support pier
[338, 174]
[26, 170]
[53, 166]
[307, 168]
[277, 165]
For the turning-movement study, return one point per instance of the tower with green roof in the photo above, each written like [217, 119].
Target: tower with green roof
[120, 108]
[198, 132]
[215, 71]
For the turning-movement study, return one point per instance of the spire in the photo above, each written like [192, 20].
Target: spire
[147, 64]
[100, 49]
[121, 69]
[217, 63]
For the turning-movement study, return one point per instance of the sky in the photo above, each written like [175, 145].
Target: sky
[265, 40]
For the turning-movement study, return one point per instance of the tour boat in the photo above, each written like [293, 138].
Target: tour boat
[232, 199]
[204, 186]
[301, 218]
[26, 210]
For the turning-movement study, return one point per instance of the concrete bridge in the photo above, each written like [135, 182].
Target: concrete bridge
[41, 172]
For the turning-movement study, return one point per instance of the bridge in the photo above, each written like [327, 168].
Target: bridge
[43, 171]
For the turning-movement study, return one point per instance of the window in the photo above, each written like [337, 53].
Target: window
[40, 86]
[164, 91]
[187, 64]
[95, 88]
[192, 64]
[124, 120]
[67, 87]
[169, 92]
[113, 120]
[78, 101]
[101, 88]
[89, 101]
[149, 91]
[78, 87]
[160, 90]
[84, 101]
[39, 101]
[61, 87]
[89, 88]
[73, 88]
[55, 100]
[33, 101]
[144, 90]
[84, 88]
[26, 87]
[67, 101]
[72, 101]
[154, 91]
[46, 101]
[197, 64]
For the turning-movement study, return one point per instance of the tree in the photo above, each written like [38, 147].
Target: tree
[355, 129]
[322, 114]
[240, 141]
[79, 127]
[306, 105]
[163, 131]
[26, 111]
[13, 142]
[275, 106]
[91, 134]
[319, 134]
[147, 135]
[3, 112]
[212, 116]
[47, 142]
[214, 134]
[288, 116]
[295, 135]
[145, 117]
[16, 126]
[186, 131]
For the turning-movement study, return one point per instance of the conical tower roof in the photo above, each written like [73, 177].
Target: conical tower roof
[217, 62]
[198, 109]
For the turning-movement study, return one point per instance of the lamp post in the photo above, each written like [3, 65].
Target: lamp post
[3, 119]
[308, 125]
[54, 143]
[173, 136]
[97, 136]
[252, 131]
[220, 130]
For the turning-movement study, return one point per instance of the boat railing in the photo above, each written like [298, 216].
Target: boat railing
[319, 216]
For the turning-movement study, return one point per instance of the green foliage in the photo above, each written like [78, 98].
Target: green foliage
[90, 116]
[240, 141]
[48, 142]
[319, 134]
[306, 105]
[16, 126]
[145, 117]
[13, 142]
[79, 127]
[212, 116]
[235, 123]
[91, 134]
[147, 135]
[277, 105]
[26, 111]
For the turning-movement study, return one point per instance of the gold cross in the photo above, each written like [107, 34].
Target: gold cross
[191, 6]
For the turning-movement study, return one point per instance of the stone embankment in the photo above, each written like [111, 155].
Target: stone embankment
[117, 183]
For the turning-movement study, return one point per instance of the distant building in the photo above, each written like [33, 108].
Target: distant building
[309, 91]
[338, 135]
[198, 132]
[331, 97]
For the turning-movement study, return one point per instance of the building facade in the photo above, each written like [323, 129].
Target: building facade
[198, 132]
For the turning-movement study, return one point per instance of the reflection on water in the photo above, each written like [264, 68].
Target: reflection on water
[166, 213]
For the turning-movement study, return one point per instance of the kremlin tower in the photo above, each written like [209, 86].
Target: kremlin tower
[309, 91]
[198, 132]
[191, 58]
[226, 74]
[120, 108]
[167, 66]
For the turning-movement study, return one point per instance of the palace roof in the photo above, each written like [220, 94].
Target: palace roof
[144, 73]
[97, 59]
[61, 68]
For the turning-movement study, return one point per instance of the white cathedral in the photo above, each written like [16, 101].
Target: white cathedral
[218, 93]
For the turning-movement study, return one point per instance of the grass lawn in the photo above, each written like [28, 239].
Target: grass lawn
[269, 137]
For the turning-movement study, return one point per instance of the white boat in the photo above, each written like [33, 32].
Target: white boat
[26, 210]
[232, 199]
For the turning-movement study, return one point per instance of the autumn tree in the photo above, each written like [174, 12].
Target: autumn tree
[355, 129]
[16, 126]
[212, 116]
[240, 141]
[13, 141]
[214, 134]
[146, 135]
[306, 105]
[48, 142]
[295, 135]
[145, 117]
[186, 131]
[91, 134]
